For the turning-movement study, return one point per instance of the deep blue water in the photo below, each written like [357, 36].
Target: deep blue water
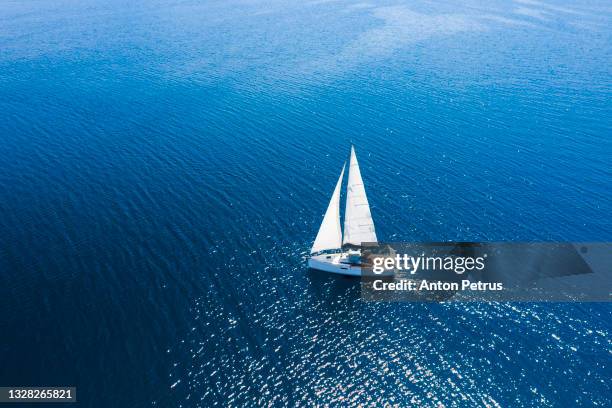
[164, 167]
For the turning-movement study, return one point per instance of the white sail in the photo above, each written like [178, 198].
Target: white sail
[330, 233]
[358, 223]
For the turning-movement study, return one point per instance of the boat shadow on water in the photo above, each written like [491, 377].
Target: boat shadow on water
[329, 287]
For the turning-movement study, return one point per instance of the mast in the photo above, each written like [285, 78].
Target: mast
[330, 232]
[358, 223]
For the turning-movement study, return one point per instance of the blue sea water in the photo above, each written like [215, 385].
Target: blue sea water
[164, 168]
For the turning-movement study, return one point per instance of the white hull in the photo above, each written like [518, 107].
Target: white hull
[334, 263]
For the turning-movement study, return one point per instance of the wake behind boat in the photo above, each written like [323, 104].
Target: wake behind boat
[331, 252]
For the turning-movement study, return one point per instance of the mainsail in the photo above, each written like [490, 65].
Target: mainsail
[358, 223]
[330, 233]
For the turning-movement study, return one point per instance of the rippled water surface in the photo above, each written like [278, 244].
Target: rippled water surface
[164, 167]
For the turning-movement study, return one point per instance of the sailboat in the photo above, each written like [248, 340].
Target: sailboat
[331, 251]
